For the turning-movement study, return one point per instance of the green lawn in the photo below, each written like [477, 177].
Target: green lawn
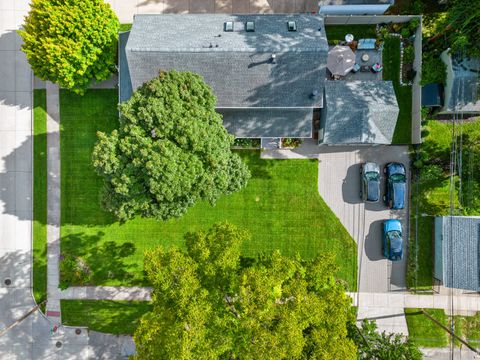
[280, 207]
[391, 71]
[425, 332]
[113, 317]
[39, 196]
[125, 27]
[338, 32]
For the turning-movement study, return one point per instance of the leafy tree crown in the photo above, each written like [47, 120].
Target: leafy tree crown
[71, 42]
[170, 151]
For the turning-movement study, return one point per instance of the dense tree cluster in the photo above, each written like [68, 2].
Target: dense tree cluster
[170, 151]
[209, 303]
[71, 42]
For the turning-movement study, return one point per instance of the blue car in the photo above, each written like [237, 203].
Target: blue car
[392, 240]
[396, 185]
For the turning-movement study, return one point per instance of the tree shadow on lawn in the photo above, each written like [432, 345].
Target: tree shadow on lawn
[107, 260]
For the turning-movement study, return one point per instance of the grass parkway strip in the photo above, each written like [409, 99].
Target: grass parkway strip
[40, 195]
[280, 207]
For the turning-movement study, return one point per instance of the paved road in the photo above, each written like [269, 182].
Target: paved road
[339, 185]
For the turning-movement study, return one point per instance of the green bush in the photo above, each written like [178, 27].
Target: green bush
[291, 142]
[408, 54]
[433, 69]
[405, 32]
[71, 42]
[247, 143]
[73, 270]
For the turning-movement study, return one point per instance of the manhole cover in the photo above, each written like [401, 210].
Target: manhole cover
[8, 282]
[78, 331]
[58, 344]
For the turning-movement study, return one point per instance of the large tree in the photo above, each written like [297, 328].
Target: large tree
[71, 42]
[170, 151]
[209, 303]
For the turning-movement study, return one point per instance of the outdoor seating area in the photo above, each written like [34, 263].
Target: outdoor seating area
[361, 61]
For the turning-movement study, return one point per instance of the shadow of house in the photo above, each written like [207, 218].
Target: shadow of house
[267, 81]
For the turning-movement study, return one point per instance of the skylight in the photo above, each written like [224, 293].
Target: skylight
[292, 26]
[250, 26]
[228, 26]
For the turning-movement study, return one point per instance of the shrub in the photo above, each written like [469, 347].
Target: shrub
[247, 143]
[433, 69]
[291, 142]
[405, 32]
[73, 270]
[408, 54]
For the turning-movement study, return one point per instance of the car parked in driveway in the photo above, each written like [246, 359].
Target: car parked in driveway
[392, 240]
[370, 182]
[396, 185]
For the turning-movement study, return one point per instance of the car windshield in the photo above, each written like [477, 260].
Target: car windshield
[371, 176]
[395, 239]
[398, 178]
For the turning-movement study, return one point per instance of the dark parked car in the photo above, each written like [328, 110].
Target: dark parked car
[392, 240]
[396, 185]
[370, 182]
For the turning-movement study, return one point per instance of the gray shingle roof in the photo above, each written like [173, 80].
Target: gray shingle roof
[359, 112]
[268, 122]
[457, 251]
[239, 70]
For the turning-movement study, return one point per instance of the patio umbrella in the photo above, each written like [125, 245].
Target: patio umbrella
[340, 60]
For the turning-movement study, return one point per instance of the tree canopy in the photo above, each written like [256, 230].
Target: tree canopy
[209, 303]
[170, 151]
[71, 42]
[373, 345]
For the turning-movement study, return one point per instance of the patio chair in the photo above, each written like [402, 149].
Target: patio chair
[356, 68]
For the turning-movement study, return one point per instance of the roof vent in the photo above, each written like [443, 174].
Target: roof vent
[250, 26]
[228, 26]
[314, 94]
[273, 58]
[292, 26]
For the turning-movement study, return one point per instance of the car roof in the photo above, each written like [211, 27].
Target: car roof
[398, 196]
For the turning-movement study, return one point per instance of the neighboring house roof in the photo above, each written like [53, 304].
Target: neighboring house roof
[359, 112]
[462, 85]
[354, 7]
[272, 121]
[457, 241]
[237, 65]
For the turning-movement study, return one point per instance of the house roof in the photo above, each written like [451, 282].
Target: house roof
[463, 82]
[359, 112]
[237, 65]
[293, 122]
[457, 252]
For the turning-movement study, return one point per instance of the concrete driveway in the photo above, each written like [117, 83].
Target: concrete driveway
[339, 185]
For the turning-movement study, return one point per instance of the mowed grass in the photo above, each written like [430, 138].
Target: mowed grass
[423, 331]
[338, 32]
[280, 207]
[113, 317]
[39, 195]
[391, 71]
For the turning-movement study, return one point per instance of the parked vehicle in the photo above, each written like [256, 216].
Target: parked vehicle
[396, 185]
[392, 240]
[370, 182]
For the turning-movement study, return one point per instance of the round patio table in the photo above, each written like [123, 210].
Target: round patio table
[365, 57]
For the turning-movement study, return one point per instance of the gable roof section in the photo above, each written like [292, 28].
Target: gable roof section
[245, 123]
[237, 65]
[460, 244]
[359, 112]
